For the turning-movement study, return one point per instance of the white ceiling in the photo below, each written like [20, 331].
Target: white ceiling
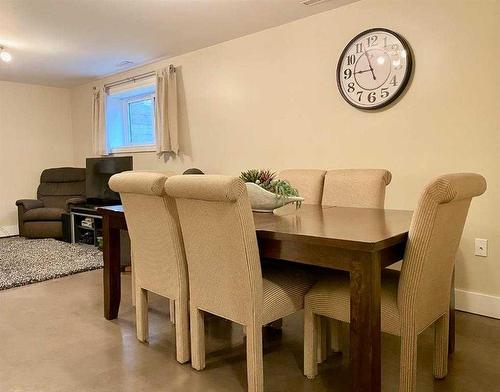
[69, 42]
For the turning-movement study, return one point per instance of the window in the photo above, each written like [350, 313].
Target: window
[130, 114]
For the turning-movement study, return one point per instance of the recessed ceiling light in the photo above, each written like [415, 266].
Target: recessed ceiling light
[125, 63]
[4, 55]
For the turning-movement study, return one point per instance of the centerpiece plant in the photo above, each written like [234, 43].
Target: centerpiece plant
[267, 180]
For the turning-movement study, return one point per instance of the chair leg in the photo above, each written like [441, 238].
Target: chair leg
[132, 276]
[182, 330]
[311, 322]
[441, 331]
[141, 314]
[197, 338]
[255, 367]
[322, 347]
[172, 311]
[408, 362]
[335, 327]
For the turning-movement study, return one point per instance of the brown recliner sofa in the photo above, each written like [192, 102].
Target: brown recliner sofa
[59, 189]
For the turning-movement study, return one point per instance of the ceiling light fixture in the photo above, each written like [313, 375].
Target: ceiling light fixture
[4, 55]
[125, 63]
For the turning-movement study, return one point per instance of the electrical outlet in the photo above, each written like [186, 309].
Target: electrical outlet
[481, 247]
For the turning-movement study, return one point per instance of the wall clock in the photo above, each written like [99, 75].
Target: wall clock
[374, 68]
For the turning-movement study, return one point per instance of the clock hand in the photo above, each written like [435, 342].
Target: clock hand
[370, 64]
[362, 71]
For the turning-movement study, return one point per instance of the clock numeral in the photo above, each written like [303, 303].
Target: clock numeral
[372, 40]
[360, 94]
[350, 87]
[359, 47]
[393, 81]
[384, 92]
[372, 97]
[385, 42]
[351, 59]
[347, 73]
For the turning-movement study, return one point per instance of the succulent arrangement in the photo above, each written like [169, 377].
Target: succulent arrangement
[268, 181]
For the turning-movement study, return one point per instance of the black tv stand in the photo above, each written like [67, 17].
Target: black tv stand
[86, 224]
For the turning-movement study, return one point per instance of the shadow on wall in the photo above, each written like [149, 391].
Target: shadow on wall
[185, 148]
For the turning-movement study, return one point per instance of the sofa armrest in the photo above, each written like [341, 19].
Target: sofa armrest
[29, 204]
[74, 201]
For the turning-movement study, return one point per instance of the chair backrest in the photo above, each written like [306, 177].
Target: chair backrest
[434, 237]
[364, 188]
[225, 276]
[60, 184]
[155, 235]
[309, 183]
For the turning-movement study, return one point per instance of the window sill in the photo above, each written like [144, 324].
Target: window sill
[125, 150]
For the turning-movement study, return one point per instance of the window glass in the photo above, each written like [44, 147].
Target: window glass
[130, 117]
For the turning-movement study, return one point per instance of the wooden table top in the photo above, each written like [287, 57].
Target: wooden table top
[111, 209]
[349, 228]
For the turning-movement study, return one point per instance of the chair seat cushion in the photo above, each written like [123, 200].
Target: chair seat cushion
[284, 288]
[43, 214]
[330, 297]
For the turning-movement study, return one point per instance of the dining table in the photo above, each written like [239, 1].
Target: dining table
[361, 241]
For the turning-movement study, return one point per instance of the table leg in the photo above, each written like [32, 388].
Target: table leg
[112, 278]
[365, 324]
[451, 335]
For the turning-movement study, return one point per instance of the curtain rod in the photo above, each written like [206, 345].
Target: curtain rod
[130, 79]
[134, 78]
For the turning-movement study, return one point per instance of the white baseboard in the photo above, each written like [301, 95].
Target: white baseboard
[477, 303]
[7, 231]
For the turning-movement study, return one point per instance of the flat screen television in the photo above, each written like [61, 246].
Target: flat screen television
[98, 173]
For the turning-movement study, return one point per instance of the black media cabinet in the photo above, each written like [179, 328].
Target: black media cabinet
[90, 233]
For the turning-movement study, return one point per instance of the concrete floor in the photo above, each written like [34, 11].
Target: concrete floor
[54, 338]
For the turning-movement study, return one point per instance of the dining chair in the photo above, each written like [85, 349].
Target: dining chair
[159, 262]
[225, 274]
[419, 295]
[360, 188]
[309, 183]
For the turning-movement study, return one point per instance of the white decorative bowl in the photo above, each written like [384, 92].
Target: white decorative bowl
[265, 201]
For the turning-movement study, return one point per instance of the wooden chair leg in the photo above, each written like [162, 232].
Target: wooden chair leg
[311, 330]
[182, 330]
[141, 314]
[172, 311]
[322, 348]
[335, 327]
[408, 362]
[441, 328]
[255, 367]
[197, 338]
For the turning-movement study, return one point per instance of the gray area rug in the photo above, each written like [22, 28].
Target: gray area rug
[24, 261]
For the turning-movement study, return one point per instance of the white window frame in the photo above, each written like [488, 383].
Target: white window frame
[129, 147]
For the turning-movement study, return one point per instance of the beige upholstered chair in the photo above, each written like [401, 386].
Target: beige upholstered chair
[417, 297]
[225, 273]
[309, 183]
[356, 188]
[159, 262]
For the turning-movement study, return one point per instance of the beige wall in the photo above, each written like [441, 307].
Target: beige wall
[35, 133]
[270, 100]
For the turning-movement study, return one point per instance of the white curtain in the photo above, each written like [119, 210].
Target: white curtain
[167, 130]
[99, 121]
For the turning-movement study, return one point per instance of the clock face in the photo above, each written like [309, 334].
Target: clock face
[374, 68]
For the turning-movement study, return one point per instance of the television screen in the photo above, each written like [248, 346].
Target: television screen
[98, 173]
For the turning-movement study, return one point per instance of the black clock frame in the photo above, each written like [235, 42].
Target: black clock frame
[404, 82]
